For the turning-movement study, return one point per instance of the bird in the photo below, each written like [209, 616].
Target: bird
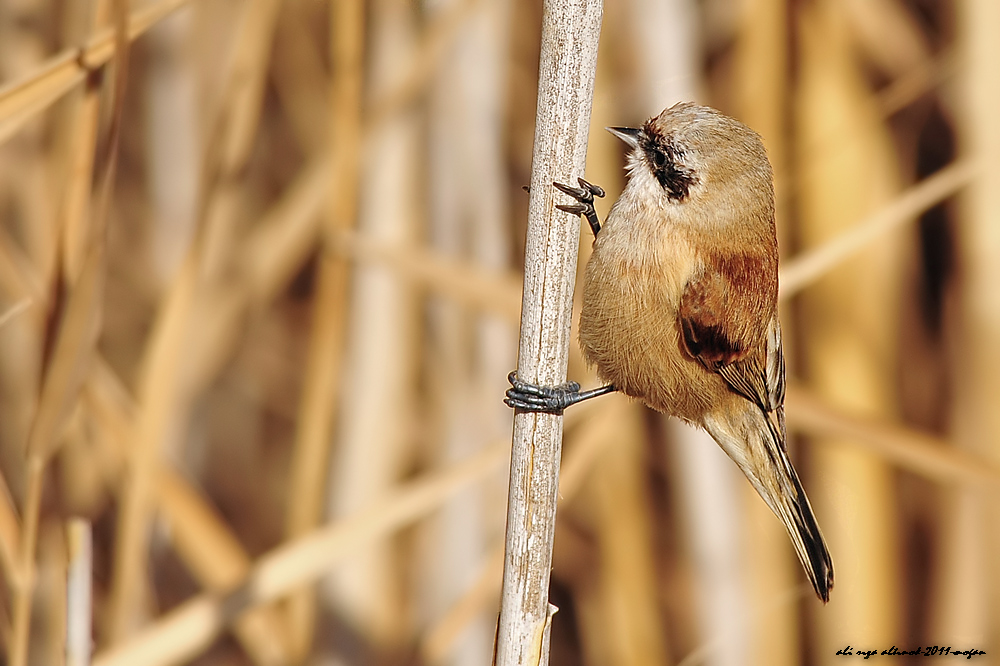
[680, 303]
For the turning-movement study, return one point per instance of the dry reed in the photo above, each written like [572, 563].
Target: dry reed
[567, 69]
[191, 361]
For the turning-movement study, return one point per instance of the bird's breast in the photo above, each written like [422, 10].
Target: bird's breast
[628, 327]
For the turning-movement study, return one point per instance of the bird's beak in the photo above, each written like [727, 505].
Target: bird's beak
[629, 135]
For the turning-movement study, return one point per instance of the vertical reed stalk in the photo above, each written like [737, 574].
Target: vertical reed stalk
[313, 436]
[78, 593]
[26, 575]
[629, 600]
[967, 605]
[165, 388]
[75, 340]
[472, 353]
[83, 125]
[373, 440]
[849, 328]
[173, 156]
[568, 64]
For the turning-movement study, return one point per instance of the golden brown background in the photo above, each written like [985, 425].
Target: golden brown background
[258, 303]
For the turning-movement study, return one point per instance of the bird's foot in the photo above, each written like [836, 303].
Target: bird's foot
[550, 399]
[585, 195]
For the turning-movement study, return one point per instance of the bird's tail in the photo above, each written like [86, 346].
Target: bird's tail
[755, 440]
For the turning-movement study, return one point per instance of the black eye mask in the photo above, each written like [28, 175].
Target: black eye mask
[663, 154]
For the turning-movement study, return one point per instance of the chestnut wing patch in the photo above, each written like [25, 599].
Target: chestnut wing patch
[717, 330]
[707, 326]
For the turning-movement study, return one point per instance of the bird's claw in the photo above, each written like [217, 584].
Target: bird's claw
[533, 398]
[576, 209]
[585, 195]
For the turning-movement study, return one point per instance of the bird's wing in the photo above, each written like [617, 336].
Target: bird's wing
[717, 324]
[721, 321]
[763, 384]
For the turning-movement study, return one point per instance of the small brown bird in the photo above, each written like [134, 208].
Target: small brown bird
[680, 303]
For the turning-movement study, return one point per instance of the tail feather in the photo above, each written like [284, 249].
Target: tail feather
[809, 543]
[754, 439]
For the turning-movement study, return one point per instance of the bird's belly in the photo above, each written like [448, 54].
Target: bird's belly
[629, 330]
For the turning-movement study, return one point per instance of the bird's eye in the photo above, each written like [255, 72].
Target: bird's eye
[659, 159]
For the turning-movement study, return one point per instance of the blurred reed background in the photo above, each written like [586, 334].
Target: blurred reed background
[259, 293]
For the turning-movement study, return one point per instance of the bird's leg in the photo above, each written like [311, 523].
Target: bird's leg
[585, 195]
[552, 399]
